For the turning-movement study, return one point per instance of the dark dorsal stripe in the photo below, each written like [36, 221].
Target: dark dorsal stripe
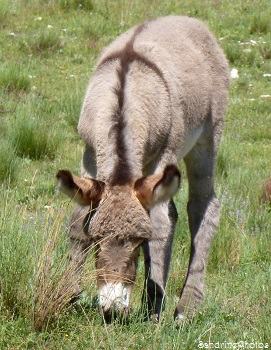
[122, 173]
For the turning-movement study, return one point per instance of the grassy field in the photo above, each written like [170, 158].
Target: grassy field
[48, 49]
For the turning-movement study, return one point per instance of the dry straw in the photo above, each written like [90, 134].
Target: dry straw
[56, 278]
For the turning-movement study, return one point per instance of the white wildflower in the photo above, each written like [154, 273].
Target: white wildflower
[250, 42]
[234, 73]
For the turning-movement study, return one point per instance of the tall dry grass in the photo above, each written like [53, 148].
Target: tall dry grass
[37, 278]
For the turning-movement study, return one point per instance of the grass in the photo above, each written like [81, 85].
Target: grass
[32, 137]
[55, 277]
[260, 24]
[47, 53]
[47, 40]
[4, 9]
[85, 5]
[14, 78]
[8, 162]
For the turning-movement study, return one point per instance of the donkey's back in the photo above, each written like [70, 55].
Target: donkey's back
[168, 78]
[158, 95]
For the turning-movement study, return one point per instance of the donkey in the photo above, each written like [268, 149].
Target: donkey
[158, 95]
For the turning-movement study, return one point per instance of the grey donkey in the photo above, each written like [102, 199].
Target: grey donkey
[158, 95]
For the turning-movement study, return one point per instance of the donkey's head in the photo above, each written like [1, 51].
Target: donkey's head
[118, 224]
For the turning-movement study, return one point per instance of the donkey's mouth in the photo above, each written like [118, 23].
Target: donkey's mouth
[114, 300]
[115, 313]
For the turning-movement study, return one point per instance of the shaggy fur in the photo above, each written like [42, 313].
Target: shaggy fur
[158, 95]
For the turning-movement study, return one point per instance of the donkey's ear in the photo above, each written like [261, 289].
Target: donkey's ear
[154, 189]
[82, 190]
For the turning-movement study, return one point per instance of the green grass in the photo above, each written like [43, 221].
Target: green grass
[86, 5]
[48, 50]
[32, 137]
[14, 78]
[260, 24]
[8, 162]
[47, 40]
[4, 9]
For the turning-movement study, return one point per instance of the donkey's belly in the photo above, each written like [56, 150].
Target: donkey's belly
[190, 141]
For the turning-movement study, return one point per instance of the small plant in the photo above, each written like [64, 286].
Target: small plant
[32, 137]
[37, 279]
[8, 162]
[266, 48]
[260, 24]
[14, 78]
[266, 196]
[243, 55]
[16, 262]
[234, 53]
[4, 9]
[47, 40]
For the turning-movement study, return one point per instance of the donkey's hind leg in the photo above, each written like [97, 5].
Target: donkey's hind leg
[203, 214]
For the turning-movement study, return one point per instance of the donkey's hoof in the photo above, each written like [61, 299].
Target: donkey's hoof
[155, 318]
[180, 318]
[184, 313]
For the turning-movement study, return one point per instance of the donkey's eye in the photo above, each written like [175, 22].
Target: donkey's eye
[89, 217]
[92, 211]
[92, 214]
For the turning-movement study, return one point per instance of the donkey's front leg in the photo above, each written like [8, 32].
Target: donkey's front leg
[203, 213]
[157, 252]
[203, 219]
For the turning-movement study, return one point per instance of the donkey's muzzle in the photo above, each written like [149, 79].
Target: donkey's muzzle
[114, 300]
[115, 313]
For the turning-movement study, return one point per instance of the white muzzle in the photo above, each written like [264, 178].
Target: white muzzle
[114, 297]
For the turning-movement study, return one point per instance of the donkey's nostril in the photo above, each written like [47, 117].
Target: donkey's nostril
[125, 293]
[109, 316]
